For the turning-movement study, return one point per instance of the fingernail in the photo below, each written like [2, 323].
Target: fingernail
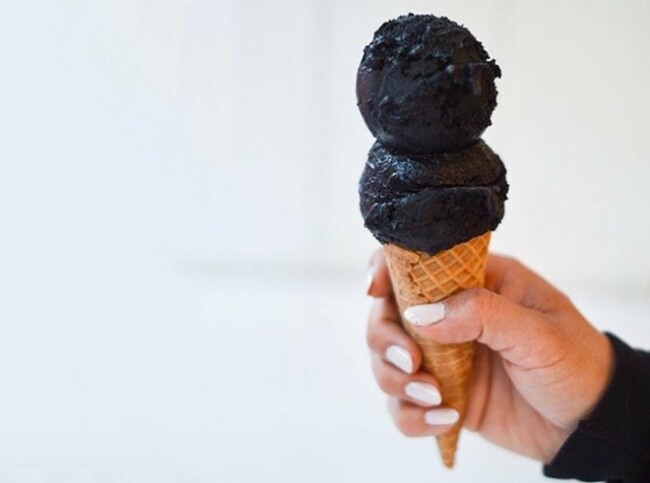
[400, 358]
[425, 393]
[441, 416]
[422, 315]
[370, 277]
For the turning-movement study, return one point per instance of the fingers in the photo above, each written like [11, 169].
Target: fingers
[421, 388]
[379, 281]
[417, 421]
[385, 335]
[502, 325]
[387, 339]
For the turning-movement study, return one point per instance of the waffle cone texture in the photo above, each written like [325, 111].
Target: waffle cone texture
[419, 278]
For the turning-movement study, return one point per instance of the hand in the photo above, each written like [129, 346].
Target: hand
[539, 366]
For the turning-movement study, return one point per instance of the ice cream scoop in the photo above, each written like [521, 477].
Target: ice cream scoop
[425, 84]
[431, 202]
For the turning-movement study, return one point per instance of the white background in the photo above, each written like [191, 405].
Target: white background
[181, 255]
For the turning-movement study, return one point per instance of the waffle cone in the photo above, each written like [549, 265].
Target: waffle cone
[419, 278]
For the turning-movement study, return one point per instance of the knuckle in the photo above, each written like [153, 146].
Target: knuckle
[556, 344]
[404, 419]
[405, 424]
[384, 379]
[514, 264]
[476, 300]
[372, 332]
[371, 337]
[401, 422]
[551, 333]
[378, 253]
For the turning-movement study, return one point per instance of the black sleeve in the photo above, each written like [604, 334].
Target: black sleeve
[613, 443]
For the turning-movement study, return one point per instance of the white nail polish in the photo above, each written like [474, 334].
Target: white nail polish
[400, 358]
[422, 315]
[441, 416]
[424, 393]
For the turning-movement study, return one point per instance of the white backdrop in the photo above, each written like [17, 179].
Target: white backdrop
[242, 116]
[165, 162]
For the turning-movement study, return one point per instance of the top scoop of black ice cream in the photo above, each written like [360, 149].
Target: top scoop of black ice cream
[425, 85]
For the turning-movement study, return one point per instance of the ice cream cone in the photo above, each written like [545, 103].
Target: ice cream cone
[419, 278]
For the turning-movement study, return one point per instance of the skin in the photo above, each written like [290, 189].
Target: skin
[539, 366]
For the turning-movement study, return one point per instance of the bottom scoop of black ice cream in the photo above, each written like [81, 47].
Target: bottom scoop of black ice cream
[432, 202]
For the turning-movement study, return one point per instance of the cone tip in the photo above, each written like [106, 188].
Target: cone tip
[448, 461]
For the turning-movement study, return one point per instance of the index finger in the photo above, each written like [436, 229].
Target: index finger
[380, 286]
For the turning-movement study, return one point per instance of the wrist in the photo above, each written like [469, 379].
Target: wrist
[599, 369]
[612, 441]
[595, 373]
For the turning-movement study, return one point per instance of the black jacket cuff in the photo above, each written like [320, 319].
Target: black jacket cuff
[613, 443]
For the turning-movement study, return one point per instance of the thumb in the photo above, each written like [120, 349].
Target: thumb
[522, 336]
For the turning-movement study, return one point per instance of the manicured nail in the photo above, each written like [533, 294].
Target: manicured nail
[370, 278]
[441, 416]
[425, 393]
[422, 315]
[400, 358]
